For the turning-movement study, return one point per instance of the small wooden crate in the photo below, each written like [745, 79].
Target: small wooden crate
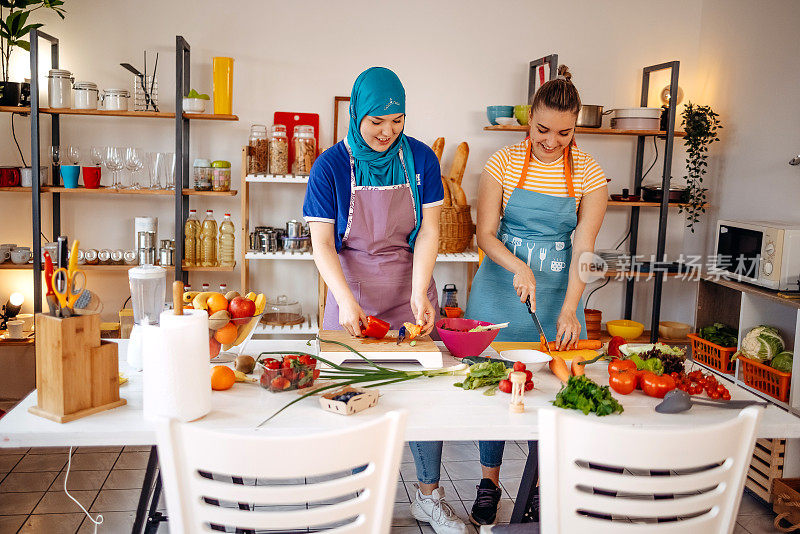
[786, 504]
[76, 374]
[367, 399]
[765, 467]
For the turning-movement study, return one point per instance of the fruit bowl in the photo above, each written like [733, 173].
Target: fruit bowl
[461, 343]
[287, 373]
[241, 332]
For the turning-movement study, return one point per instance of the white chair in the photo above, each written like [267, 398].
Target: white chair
[702, 470]
[366, 498]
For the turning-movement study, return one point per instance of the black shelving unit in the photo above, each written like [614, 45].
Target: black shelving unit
[182, 131]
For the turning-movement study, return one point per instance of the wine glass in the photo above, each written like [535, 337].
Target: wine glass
[155, 163]
[73, 154]
[134, 162]
[96, 154]
[115, 161]
[169, 168]
[55, 155]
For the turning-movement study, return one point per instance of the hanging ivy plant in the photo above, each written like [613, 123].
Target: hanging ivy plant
[700, 124]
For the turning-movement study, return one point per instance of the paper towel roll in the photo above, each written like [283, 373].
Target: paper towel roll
[177, 378]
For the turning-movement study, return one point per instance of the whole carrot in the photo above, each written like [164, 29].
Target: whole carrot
[593, 344]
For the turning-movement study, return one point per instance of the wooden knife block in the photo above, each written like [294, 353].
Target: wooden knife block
[76, 373]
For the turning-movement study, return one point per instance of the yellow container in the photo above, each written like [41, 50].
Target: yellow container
[223, 85]
[625, 328]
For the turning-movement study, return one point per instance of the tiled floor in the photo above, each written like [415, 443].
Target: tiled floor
[107, 480]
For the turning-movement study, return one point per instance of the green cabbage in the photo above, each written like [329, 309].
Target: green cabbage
[762, 343]
[783, 362]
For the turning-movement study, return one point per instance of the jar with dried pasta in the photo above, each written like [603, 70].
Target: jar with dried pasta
[278, 150]
[305, 149]
[258, 150]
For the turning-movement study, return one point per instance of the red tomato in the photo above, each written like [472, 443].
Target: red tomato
[639, 376]
[616, 365]
[613, 346]
[721, 389]
[714, 395]
[504, 386]
[528, 386]
[623, 382]
[528, 376]
[519, 366]
[657, 386]
[726, 395]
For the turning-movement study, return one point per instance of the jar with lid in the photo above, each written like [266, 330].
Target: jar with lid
[116, 99]
[221, 179]
[258, 150]
[59, 89]
[283, 311]
[305, 149]
[85, 95]
[201, 174]
[279, 150]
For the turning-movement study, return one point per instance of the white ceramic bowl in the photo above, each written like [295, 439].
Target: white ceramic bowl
[507, 121]
[20, 255]
[194, 105]
[534, 360]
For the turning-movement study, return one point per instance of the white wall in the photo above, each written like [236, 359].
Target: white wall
[455, 58]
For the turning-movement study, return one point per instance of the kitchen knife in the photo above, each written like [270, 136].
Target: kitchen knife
[544, 342]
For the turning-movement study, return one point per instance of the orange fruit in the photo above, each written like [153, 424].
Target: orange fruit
[222, 378]
[216, 302]
[226, 334]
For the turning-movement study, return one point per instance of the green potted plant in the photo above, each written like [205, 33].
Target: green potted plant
[700, 124]
[14, 28]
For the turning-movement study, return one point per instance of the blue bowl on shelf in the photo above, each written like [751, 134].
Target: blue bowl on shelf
[492, 112]
[69, 175]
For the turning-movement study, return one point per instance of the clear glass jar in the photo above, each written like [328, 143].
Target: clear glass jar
[85, 95]
[59, 89]
[279, 150]
[221, 180]
[116, 99]
[258, 150]
[201, 173]
[305, 150]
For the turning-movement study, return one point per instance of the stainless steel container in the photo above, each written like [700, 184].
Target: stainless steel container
[146, 240]
[590, 116]
[165, 256]
[296, 244]
[147, 256]
[272, 241]
[255, 241]
[294, 229]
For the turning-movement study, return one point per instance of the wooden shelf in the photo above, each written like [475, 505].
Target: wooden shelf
[753, 290]
[113, 191]
[594, 131]
[192, 192]
[645, 338]
[15, 267]
[14, 109]
[276, 178]
[16, 342]
[219, 268]
[137, 114]
[642, 204]
[628, 274]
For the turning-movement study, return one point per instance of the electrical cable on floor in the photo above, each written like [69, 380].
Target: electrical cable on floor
[17, 142]
[97, 521]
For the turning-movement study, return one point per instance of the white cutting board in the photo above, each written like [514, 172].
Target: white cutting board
[425, 351]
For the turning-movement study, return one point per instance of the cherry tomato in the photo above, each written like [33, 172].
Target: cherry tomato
[721, 389]
[675, 375]
[616, 365]
[726, 395]
[623, 382]
[504, 386]
[528, 386]
[519, 366]
[714, 395]
[695, 390]
[528, 376]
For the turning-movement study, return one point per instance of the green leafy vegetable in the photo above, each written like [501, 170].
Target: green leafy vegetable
[483, 374]
[720, 334]
[581, 393]
[194, 94]
[783, 361]
[651, 364]
[761, 344]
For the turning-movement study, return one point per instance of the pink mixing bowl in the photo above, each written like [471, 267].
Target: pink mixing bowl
[463, 344]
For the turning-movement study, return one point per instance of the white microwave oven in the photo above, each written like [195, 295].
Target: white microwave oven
[759, 252]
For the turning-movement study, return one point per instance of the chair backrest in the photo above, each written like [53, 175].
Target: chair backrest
[686, 480]
[303, 481]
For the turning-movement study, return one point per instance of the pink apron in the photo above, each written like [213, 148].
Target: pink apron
[375, 256]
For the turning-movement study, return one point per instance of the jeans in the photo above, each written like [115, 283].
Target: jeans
[428, 457]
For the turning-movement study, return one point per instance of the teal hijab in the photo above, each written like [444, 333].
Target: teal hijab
[378, 91]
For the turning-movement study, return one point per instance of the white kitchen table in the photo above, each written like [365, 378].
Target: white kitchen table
[436, 411]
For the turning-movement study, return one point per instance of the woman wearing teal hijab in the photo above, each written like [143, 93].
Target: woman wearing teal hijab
[372, 204]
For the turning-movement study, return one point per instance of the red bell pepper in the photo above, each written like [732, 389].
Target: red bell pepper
[374, 328]
[412, 330]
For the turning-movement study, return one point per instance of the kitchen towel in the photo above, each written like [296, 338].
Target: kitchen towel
[177, 379]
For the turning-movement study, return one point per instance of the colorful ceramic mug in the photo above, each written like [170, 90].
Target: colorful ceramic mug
[69, 175]
[91, 177]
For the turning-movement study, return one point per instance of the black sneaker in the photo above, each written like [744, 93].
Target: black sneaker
[484, 511]
[531, 514]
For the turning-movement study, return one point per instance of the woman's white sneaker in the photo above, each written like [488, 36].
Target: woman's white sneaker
[433, 509]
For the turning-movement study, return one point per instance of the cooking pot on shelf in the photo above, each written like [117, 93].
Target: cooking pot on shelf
[653, 193]
[590, 116]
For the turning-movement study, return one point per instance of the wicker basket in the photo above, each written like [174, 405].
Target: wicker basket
[455, 229]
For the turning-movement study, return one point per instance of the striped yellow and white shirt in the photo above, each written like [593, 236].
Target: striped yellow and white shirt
[505, 166]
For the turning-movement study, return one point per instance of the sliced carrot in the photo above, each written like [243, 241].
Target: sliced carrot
[586, 354]
[559, 368]
[593, 344]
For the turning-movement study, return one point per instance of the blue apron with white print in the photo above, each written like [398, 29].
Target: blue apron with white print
[537, 228]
